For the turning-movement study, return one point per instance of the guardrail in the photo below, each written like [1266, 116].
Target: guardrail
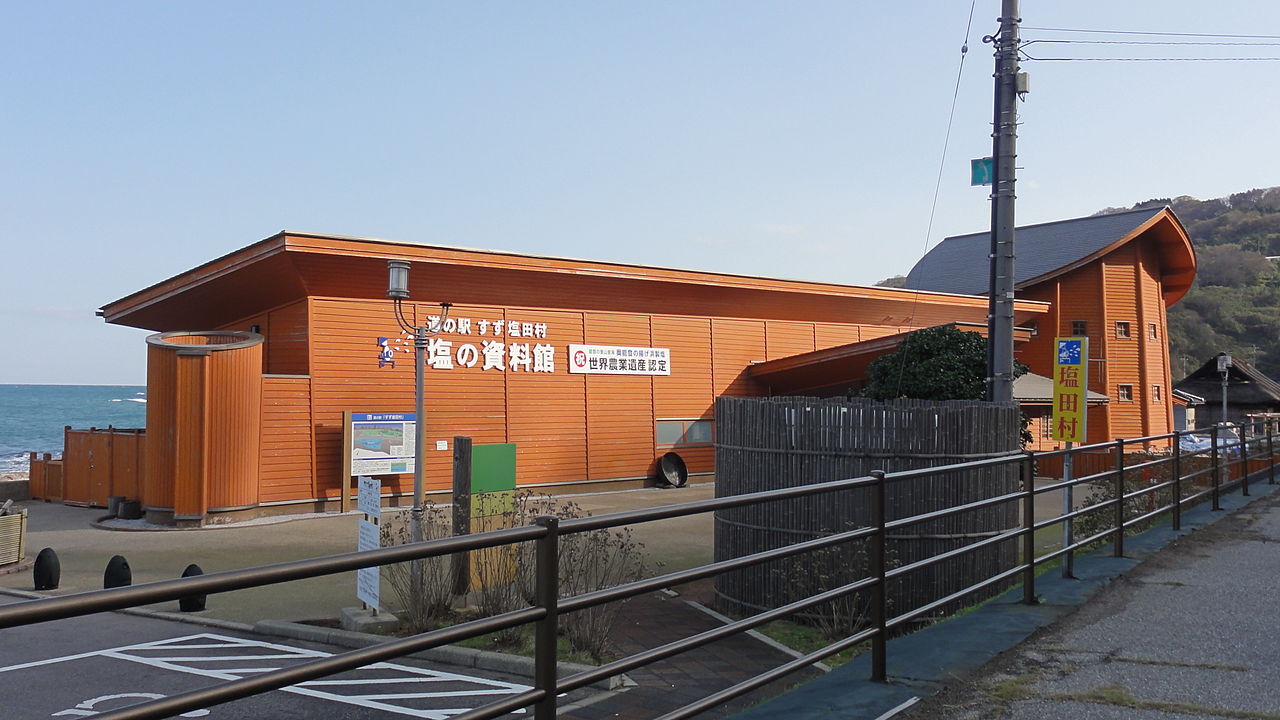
[1256, 446]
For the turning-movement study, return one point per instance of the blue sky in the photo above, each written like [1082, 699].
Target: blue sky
[797, 139]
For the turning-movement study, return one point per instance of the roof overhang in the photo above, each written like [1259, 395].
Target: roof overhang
[291, 266]
[839, 367]
[1171, 242]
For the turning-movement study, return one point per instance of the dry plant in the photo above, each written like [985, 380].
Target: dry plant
[818, 571]
[426, 604]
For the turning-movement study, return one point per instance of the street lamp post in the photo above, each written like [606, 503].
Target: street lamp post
[398, 292]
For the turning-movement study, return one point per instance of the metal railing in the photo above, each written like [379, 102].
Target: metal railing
[1257, 443]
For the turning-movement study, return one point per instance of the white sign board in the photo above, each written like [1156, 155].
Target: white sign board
[367, 585]
[382, 443]
[369, 498]
[619, 360]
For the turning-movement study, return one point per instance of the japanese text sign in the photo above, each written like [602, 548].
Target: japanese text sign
[1070, 388]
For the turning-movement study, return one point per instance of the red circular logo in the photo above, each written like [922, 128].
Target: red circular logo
[580, 359]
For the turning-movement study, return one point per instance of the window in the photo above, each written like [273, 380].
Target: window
[1122, 328]
[1046, 427]
[1124, 393]
[1079, 328]
[685, 432]
[1155, 393]
[1152, 332]
[1034, 327]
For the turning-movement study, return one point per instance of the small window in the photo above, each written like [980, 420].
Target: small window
[685, 432]
[1152, 332]
[1124, 393]
[1122, 329]
[1046, 427]
[1034, 327]
[1079, 328]
[1155, 393]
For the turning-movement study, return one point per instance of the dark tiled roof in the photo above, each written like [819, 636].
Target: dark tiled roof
[1245, 383]
[960, 264]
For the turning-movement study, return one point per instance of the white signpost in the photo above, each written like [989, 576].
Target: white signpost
[369, 502]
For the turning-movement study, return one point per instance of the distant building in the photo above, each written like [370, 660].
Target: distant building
[1249, 392]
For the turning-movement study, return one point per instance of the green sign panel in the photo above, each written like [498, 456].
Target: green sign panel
[493, 479]
[982, 171]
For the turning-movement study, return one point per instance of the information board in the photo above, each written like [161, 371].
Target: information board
[1070, 388]
[382, 443]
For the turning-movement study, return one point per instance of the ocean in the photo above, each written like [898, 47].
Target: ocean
[32, 416]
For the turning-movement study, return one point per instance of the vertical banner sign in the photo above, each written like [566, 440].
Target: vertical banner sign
[1070, 388]
[370, 503]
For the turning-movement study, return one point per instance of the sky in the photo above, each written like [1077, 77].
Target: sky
[783, 139]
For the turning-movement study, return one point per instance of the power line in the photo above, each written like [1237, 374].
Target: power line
[1147, 32]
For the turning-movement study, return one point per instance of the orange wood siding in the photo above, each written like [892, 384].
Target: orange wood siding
[162, 416]
[1120, 289]
[687, 392]
[620, 423]
[286, 464]
[735, 344]
[547, 412]
[827, 335]
[286, 351]
[235, 426]
[783, 339]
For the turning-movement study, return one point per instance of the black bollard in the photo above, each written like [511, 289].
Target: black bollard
[192, 603]
[118, 573]
[47, 572]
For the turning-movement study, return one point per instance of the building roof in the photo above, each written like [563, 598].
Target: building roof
[1246, 385]
[290, 266]
[1033, 389]
[960, 264]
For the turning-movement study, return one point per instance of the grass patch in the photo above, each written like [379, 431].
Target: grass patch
[1119, 696]
[805, 639]
[525, 647]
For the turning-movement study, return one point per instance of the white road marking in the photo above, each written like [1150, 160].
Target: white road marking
[174, 654]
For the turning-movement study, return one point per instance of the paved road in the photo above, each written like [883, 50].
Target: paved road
[1189, 633]
[84, 666]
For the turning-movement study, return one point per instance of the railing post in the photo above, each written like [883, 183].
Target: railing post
[1217, 469]
[547, 596]
[1177, 481]
[879, 593]
[1068, 504]
[1271, 452]
[1119, 513]
[1027, 470]
[1244, 461]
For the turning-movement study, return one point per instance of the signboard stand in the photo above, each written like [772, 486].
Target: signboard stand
[369, 538]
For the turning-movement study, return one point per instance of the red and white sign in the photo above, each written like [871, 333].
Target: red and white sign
[619, 360]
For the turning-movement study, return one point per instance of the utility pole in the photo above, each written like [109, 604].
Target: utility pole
[1009, 83]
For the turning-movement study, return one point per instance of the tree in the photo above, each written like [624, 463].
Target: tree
[937, 363]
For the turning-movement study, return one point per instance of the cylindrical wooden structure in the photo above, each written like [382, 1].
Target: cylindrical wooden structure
[204, 410]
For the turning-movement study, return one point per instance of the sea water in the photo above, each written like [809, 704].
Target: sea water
[32, 416]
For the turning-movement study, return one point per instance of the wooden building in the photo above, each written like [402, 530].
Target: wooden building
[259, 353]
[1106, 277]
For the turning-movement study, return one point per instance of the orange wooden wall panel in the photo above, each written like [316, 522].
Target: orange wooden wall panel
[735, 344]
[157, 486]
[620, 424]
[828, 335]
[286, 463]
[783, 339]
[235, 426]
[687, 392]
[547, 412]
[286, 350]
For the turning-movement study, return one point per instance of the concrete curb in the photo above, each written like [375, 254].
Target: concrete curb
[462, 657]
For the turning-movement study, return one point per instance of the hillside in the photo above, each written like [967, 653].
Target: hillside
[1234, 305]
